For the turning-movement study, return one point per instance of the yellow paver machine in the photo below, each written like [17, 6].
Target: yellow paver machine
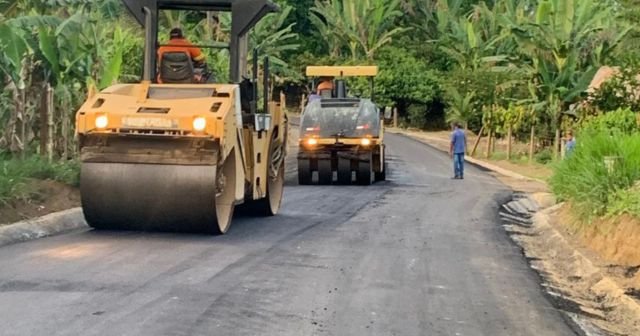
[340, 136]
[179, 156]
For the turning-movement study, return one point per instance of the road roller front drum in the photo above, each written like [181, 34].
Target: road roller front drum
[154, 197]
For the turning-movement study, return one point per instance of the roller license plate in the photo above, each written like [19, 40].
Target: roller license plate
[137, 122]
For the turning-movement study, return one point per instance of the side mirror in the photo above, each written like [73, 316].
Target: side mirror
[262, 122]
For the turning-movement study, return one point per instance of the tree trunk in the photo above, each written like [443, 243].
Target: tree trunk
[475, 145]
[532, 141]
[489, 140]
[303, 102]
[395, 117]
[509, 141]
[11, 134]
[50, 124]
[22, 121]
[556, 144]
[494, 141]
[283, 101]
[44, 137]
[65, 135]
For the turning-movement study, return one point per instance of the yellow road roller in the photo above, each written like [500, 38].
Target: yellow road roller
[340, 136]
[181, 155]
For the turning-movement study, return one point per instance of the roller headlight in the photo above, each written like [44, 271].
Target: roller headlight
[102, 121]
[312, 142]
[199, 124]
[365, 142]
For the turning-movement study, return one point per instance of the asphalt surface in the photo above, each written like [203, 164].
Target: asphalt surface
[420, 254]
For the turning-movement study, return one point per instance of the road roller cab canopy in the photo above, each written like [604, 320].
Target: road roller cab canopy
[244, 13]
[344, 118]
[337, 74]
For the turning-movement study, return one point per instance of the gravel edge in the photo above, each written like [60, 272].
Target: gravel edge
[45, 226]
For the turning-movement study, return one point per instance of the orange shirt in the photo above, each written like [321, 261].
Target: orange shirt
[182, 45]
[326, 85]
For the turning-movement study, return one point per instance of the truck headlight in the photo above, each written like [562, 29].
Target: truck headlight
[102, 121]
[365, 142]
[199, 124]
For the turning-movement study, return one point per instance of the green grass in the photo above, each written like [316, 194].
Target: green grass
[15, 175]
[584, 180]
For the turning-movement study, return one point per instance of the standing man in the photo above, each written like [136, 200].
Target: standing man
[457, 151]
[570, 145]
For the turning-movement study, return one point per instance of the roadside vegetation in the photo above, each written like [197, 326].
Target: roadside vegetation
[17, 176]
[602, 176]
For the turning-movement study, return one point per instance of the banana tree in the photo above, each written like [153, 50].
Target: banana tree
[460, 106]
[14, 65]
[78, 52]
[275, 39]
[362, 26]
[469, 48]
[562, 45]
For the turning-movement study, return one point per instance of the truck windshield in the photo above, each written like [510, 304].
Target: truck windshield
[340, 119]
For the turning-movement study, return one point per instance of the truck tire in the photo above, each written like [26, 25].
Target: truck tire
[344, 171]
[325, 172]
[304, 172]
[365, 172]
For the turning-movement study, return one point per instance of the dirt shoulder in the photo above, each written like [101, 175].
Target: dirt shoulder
[591, 271]
[46, 197]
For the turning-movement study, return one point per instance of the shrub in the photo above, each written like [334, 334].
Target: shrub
[621, 91]
[584, 179]
[15, 175]
[625, 202]
[622, 120]
[545, 156]
[417, 116]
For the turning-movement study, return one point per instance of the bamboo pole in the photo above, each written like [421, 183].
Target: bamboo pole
[489, 139]
[509, 141]
[65, 135]
[43, 123]
[556, 144]
[477, 142]
[22, 119]
[395, 117]
[50, 123]
[532, 141]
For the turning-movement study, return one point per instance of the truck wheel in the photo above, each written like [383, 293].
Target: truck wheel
[365, 173]
[325, 172]
[304, 172]
[344, 171]
[382, 176]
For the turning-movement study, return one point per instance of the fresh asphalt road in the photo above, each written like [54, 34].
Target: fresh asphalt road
[420, 254]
